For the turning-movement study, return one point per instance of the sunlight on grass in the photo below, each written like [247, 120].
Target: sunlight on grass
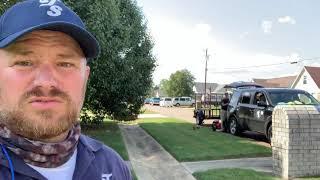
[186, 144]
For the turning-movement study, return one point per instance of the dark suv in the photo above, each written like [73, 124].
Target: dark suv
[251, 109]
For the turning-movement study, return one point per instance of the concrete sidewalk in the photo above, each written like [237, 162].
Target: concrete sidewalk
[151, 161]
[263, 164]
[148, 158]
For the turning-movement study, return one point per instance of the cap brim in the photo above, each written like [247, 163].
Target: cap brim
[86, 40]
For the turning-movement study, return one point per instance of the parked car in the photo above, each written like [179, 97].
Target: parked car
[147, 101]
[183, 101]
[166, 102]
[251, 109]
[155, 101]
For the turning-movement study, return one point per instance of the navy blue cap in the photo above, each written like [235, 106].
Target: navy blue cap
[31, 15]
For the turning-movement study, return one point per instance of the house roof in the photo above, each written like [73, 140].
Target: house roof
[281, 82]
[199, 87]
[240, 84]
[314, 73]
[220, 89]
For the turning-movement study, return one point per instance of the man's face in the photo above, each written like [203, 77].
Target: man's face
[43, 79]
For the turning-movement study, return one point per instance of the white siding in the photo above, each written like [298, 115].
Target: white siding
[310, 87]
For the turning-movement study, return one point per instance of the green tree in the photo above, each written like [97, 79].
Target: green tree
[6, 4]
[164, 85]
[180, 83]
[121, 76]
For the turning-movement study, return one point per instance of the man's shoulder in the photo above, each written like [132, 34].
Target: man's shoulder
[98, 147]
[105, 158]
[101, 151]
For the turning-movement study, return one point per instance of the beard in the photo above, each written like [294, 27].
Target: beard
[40, 124]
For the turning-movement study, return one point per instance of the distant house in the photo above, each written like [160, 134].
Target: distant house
[211, 87]
[281, 82]
[308, 80]
[199, 90]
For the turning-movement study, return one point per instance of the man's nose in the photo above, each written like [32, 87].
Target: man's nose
[45, 77]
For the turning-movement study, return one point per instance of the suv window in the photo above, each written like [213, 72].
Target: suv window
[182, 99]
[176, 99]
[292, 98]
[167, 99]
[245, 98]
[305, 99]
[259, 97]
[235, 98]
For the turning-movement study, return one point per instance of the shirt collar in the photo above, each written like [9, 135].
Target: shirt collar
[91, 144]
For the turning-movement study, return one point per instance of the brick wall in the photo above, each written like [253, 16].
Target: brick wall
[296, 141]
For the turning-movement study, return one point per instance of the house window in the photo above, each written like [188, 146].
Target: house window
[304, 79]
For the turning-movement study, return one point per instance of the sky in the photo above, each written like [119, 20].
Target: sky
[245, 39]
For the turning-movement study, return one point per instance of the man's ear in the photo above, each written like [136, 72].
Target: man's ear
[87, 72]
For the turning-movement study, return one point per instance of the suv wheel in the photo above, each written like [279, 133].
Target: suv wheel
[234, 126]
[177, 104]
[269, 133]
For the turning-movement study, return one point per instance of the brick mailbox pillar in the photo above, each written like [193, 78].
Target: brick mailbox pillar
[296, 141]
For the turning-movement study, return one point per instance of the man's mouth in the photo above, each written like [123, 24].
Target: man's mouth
[44, 102]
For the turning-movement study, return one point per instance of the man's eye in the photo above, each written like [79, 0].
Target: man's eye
[65, 64]
[23, 63]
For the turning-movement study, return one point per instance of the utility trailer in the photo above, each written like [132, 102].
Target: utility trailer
[209, 108]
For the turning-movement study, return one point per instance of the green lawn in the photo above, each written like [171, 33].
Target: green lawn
[233, 174]
[239, 174]
[186, 144]
[109, 133]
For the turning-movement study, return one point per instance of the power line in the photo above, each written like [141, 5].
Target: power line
[274, 64]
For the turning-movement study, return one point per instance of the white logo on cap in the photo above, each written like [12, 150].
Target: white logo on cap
[54, 10]
[106, 176]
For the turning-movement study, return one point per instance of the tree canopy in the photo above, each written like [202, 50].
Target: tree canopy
[180, 83]
[121, 76]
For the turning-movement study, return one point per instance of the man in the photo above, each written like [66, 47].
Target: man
[223, 114]
[44, 48]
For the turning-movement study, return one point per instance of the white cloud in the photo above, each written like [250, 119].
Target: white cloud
[203, 28]
[287, 20]
[180, 46]
[244, 35]
[266, 26]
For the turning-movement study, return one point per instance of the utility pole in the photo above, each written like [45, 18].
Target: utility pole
[205, 77]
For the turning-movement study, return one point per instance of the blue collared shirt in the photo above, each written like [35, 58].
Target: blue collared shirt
[95, 161]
